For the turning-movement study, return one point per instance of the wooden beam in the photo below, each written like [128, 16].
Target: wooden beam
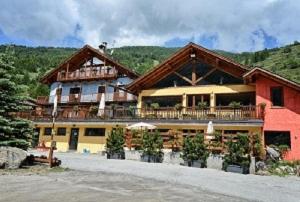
[194, 76]
[206, 75]
[184, 78]
[67, 72]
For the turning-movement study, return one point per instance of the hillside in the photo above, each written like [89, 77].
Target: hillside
[32, 63]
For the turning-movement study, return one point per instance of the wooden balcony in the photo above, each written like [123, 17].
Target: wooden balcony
[163, 114]
[42, 100]
[87, 74]
[95, 97]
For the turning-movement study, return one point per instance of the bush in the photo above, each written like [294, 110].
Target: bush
[194, 149]
[238, 152]
[115, 142]
[152, 144]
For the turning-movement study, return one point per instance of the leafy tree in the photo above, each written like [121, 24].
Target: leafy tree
[13, 131]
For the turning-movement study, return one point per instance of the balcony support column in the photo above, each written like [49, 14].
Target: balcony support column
[184, 102]
[212, 101]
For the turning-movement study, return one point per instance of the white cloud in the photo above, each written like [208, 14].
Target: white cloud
[237, 24]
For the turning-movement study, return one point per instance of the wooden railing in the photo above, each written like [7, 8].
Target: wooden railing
[210, 113]
[173, 139]
[87, 74]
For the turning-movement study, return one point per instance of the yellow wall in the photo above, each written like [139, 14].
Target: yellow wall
[93, 144]
[190, 90]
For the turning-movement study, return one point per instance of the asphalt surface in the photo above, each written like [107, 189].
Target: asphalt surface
[94, 178]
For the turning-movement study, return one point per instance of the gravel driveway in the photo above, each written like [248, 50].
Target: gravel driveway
[95, 178]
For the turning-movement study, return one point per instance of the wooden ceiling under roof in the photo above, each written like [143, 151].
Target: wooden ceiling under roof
[190, 53]
[82, 56]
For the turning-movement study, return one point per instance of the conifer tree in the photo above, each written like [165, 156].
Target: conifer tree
[14, 131]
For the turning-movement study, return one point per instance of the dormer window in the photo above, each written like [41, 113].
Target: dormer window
[277, 96]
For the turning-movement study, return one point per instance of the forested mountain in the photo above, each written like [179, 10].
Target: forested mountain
[31, 63]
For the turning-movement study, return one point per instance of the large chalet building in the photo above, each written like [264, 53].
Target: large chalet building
[189, 89]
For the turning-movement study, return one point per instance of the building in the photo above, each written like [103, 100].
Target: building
[81, 83]
[189, 89]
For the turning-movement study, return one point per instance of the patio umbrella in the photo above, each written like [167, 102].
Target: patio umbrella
[210, 128]
[101, 105]
[209, 131]
[54, 112]
[141, 126]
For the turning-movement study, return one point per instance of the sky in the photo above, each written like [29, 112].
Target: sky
[231, 25]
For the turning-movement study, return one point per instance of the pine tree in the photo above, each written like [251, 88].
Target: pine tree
[13, 131]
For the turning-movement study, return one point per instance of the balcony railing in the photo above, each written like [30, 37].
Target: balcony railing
[210, 113]
[94, 97]
[88, 74]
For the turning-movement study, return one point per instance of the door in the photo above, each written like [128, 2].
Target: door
[74, 139]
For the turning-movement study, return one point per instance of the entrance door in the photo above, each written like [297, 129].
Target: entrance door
[74, 139]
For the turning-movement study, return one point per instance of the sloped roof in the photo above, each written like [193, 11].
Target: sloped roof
[78, 58]
[173, 63]
[273, 76]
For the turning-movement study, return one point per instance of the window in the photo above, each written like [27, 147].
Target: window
[277, 96]
[101, 89]
[94, 132]
[233, 132]
[278, 138]
[61, 131]
[47, 131]
[75, 90]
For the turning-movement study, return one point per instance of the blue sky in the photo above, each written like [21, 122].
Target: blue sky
[237, 25]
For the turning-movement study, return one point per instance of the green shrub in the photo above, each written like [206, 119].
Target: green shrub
[115, 142]
[194, 149]
[238, 151]
[152, 144]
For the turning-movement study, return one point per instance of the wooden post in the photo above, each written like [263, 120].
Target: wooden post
[52, 143]
[194, 74]
[67, 73]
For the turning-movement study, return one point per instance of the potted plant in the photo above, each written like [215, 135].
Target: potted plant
[152, 144]
[235, 105]
[115, 144]
[262, 107]
[178, 107]
[237, 159]
[154, 106]
[93, 110]
[194, 151]
[202, 105]
[132, 111]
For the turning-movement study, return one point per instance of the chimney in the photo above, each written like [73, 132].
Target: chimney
[102, 47]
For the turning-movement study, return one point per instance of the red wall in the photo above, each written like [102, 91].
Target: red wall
[286, 118]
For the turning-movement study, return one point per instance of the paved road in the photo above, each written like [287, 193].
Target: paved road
[96, 178]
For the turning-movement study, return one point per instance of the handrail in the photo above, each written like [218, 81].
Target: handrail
[209, 113]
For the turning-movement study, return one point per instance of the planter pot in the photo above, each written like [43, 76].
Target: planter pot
[195, 164]
[237, 169]
[115, 156]
[151, 159]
